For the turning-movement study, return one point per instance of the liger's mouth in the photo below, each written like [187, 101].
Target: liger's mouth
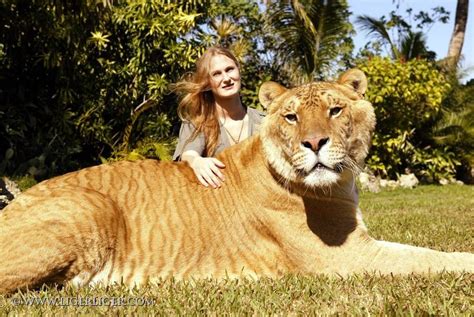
[320, 167]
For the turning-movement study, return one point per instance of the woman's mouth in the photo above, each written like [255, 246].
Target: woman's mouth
[229, 86]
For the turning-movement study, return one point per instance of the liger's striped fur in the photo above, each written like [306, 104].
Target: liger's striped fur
[288, 204]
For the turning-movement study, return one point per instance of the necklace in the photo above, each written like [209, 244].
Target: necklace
[240, 133]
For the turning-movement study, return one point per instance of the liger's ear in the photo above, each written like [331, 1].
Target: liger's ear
[363, 125]
[355, 79]
[269, 91]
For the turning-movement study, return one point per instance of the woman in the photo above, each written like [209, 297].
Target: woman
[213, 115]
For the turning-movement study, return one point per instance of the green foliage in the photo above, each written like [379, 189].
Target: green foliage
[25, 182]
[146, 148]
[404, 94]
[454, 127]
[148, 49]
[404, 37]
[420, 128]
[72, 75]
[42, 78]
[313, 37]
[407, 98]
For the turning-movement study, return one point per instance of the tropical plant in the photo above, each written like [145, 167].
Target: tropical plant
[45, 76]
[404, 39]
[454, 127]
[150, 47]
[313, 37]
[457, 39]
[72, 75]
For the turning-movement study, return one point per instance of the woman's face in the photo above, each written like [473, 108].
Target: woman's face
[224, 77]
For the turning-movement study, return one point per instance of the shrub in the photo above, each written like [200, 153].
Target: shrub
[72, 75]
[407, 97]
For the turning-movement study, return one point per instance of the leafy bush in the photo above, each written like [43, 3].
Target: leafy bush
[454, 127]
[407, 97]
[72, 75]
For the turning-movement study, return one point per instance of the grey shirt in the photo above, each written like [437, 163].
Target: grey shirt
[198, 144]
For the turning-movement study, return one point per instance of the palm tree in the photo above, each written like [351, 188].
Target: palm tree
[229, 34]
[378, 29]
[413, 45]
[457, 39]
[312, 35]
[410, 45]
[455, 129]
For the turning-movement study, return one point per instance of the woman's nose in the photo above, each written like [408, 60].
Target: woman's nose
[226, 76]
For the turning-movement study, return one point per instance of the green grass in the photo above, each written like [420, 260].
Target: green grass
[438, 217]
[433, 216]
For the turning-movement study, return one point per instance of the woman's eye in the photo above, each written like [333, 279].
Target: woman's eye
[291, 117]
[335, 111]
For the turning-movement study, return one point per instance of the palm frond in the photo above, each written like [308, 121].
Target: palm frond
[305, 19]
[295, 49]
[224, 28]
[309, 32]
[455, 128]
[240, 48]
[413, 45]
[377, 29]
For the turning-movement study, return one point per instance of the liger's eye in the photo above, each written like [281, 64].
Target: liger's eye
[291, 117]
[333, 112]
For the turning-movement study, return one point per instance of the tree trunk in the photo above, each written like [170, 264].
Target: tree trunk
[457, 38]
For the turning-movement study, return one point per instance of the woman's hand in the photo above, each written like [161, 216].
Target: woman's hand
[206, 169]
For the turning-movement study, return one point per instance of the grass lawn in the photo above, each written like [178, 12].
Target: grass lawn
[437, 217]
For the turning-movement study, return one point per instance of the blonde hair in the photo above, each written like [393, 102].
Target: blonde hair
[197, 104]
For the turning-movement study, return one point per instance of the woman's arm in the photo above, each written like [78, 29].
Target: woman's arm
[206, 169]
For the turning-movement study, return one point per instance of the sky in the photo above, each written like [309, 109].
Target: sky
[438, 36]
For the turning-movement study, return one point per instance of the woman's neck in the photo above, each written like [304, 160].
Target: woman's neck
[230, 108]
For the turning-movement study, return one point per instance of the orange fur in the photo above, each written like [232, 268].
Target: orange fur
[139, 221]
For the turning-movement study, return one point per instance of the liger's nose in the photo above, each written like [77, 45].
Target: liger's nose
[316, 143]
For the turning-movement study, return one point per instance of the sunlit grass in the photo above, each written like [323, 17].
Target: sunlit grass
[432, 216]
[439, 217]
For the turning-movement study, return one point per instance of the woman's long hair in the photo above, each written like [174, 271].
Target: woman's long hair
[197, 104]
